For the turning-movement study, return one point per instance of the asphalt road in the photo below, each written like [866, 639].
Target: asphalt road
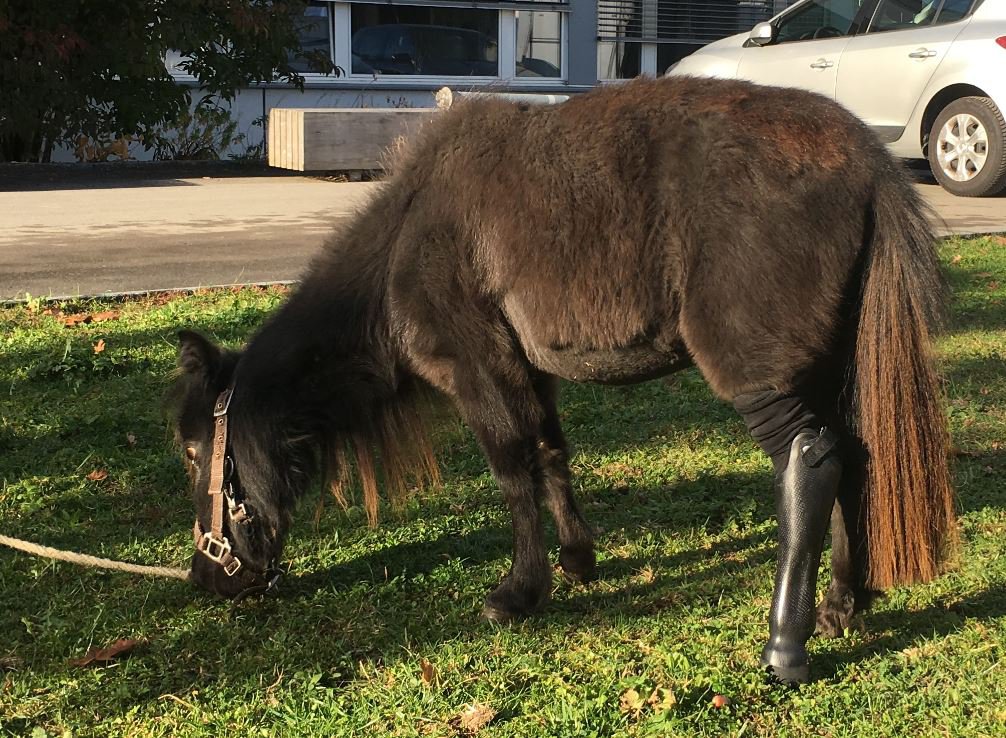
[72, 235]
[166, 234]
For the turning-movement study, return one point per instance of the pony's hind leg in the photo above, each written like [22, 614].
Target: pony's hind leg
[808, 470]
[847, 594]
[576, 540]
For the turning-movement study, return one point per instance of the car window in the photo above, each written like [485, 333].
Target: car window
[953, 10]
[818, 19]
[897, 15]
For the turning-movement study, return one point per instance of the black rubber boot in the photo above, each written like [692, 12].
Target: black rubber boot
[805, 494]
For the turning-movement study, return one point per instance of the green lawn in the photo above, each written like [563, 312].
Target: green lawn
[377, 631]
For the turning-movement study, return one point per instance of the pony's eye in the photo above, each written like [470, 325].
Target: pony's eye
[190, 453]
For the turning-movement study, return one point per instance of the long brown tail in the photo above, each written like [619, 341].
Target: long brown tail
[908, 499]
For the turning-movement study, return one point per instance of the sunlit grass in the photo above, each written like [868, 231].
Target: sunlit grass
[687, 545]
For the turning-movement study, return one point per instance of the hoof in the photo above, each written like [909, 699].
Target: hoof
[579, 563]
[499, 616]
[509, 602]
[790, 676]
[834, 614]
[788, 664]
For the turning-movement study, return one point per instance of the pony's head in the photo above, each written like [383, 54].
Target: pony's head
[244, 475]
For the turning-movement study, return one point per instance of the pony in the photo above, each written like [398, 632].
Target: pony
[763, 235]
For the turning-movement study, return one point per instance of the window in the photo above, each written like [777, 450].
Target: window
[819, 19]
[619, 59]
[314, 29]
[538, 44]
[647, 36]
[420, 40]
[954, 10]
[895, 15]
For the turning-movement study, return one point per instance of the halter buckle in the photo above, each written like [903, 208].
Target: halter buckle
[215, 549]
[223, 403]
[238, 512]
[231, 568]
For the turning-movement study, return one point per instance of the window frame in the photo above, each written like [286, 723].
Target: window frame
[341, 34]
[934, 23]
[859, 23]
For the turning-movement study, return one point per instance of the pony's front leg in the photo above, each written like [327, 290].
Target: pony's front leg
[805, 494]
[528, 585]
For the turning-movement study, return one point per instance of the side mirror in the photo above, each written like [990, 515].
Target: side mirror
[762, 34]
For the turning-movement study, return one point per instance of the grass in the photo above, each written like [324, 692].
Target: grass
[377, 632]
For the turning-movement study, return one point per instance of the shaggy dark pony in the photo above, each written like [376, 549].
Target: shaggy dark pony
[760, 234]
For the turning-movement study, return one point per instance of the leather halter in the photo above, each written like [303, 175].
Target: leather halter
[213, 544]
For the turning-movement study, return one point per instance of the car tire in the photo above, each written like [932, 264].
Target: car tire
[975, 166]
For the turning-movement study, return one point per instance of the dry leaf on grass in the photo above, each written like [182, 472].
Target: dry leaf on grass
[472, 718]
[131, 440]
[662, 699]
[101, 656]
[428, 672]
[99, 346]
[72, 321]
[631, 702]
[98, 475]
[956, 259]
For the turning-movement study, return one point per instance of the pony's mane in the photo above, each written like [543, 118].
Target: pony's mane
[394, 448]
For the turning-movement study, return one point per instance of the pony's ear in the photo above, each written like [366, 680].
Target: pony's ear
[198, 356]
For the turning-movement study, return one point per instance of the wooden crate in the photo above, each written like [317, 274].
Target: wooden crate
[319, 139]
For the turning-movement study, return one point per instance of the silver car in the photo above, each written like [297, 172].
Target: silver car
[928, 76]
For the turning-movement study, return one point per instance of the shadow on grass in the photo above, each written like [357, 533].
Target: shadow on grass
[909, 628]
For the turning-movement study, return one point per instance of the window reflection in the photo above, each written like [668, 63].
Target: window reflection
[539, 44]
[389, 39]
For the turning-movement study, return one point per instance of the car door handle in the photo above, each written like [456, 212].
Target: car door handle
[822, 64]
[922, 53]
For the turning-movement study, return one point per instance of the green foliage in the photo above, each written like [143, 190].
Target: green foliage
[95, 68]
[203, 133]
[346, 648]
[81, 361]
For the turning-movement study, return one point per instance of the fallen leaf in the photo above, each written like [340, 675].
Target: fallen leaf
[720, 701]
[95, 656]
[992, 286]
[71, 321]
[662, 699]
[131, 440]
[631, 701]
[98, 475]
[999, 240]
[99, 346]
[428, 673]
[473, 718]
[105, 315]
[956, 259]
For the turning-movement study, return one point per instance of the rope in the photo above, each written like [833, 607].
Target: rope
[86, 560]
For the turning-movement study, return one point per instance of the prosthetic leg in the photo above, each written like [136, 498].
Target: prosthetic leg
[808, 469]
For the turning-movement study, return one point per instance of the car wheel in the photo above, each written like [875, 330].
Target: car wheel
[967, 147]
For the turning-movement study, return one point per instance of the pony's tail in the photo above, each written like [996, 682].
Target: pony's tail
[908, 500]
